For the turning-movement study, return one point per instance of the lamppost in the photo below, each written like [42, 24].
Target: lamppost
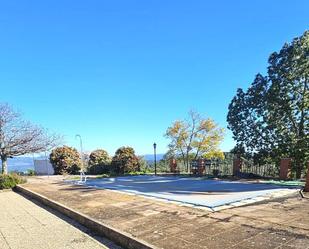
[155, 156]
[81, 149]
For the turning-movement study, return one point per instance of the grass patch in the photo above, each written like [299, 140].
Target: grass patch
[285, 183]
[77, 177]
[102, 176]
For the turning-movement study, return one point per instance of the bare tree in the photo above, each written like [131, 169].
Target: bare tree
[19, 137]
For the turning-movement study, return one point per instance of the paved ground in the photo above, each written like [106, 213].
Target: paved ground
[23, 225]
[279, 224]
[192, 190]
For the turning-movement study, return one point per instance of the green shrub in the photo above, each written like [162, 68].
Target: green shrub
[31, 172]
[10, 181]
[125, 161]
[16, 172]
[65, 160]
[99, 162]
[99, 169]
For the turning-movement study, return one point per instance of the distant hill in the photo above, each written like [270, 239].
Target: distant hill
[150, 157]
[21, 164]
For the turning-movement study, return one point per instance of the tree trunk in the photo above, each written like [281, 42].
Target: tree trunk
[298, 168]
[4, 165]
[298, 172]
[188, 165]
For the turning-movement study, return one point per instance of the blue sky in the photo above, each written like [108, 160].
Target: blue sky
[120, 72]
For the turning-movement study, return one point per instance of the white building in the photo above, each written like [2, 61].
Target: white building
[43, 167]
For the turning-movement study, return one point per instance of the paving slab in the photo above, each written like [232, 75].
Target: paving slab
[274, 224]
[24, 224]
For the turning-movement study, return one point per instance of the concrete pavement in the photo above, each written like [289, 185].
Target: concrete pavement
[23, 225]
[281, 223]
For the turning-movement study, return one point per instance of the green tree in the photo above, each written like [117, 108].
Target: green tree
[99, 157]
[65, 160]
[125, 160]
[99, 162]
[271, 118]
[143, 165]
[195, 137]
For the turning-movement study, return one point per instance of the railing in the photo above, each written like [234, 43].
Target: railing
[265, 170]
[221, 167]
[224, 167]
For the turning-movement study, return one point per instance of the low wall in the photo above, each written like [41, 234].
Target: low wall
[123, 239]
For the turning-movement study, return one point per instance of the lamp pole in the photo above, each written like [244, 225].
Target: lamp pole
[155, 156]
[81, 149]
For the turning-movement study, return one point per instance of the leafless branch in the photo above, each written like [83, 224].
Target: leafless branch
[19, 137]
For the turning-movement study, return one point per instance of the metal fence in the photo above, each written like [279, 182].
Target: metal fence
[223, 167]
[265, 170]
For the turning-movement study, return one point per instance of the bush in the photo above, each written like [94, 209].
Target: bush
[65, 160]
[216, 172]
[31, 172]
[99, 162]
[99, 169]
[143, 166]
[125, 161]
[10, 181]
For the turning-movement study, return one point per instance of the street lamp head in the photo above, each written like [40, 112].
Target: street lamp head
[154, 145]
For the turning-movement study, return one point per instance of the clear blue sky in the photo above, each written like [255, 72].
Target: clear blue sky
[120, 72]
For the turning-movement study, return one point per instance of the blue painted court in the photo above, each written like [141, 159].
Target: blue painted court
[189, 190]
